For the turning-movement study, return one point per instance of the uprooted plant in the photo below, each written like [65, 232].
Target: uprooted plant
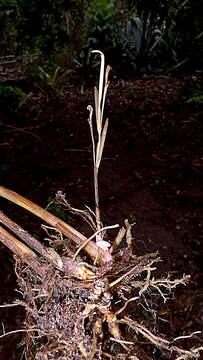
[78, 292]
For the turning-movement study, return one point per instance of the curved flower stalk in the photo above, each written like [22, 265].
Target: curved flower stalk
[98, 141]
[97, 251]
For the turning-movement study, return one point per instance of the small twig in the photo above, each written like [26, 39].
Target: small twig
[166, 283]
[46, 228]
[161, 342]
[121, 341]
[125, 305]
[137, 269]
[129, 234]
[85, 214]
[194, 352]
[109, 356]
[13, 128]
[117, 240]
[17, 331]
[187, 336]
[11, 305]
[92, 237]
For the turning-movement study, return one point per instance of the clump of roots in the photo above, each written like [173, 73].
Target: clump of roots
[71, 318]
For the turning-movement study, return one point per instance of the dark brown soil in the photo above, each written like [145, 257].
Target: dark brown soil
[150, 173]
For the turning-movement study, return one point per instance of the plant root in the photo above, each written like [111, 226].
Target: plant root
[77, 319]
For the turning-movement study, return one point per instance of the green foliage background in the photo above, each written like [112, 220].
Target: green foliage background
[56, 31]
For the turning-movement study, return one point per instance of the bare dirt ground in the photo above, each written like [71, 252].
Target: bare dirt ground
[151, 173]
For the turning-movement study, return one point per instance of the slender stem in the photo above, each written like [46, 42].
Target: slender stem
[96, 193]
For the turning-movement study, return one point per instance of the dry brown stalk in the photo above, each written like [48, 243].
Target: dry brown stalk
[91, 248]
[65, 264]
[22, 251]
[49, 254]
